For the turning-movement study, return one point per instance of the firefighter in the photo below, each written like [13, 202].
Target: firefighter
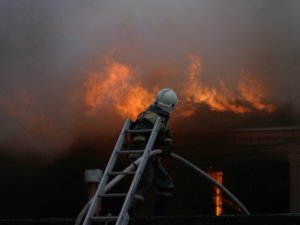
[154, 172]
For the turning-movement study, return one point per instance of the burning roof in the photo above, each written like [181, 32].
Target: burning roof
[116, 88]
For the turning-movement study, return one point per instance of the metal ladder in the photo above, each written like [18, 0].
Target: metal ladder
[123, 217]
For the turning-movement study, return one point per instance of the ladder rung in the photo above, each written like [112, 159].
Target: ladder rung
[131, 151]
[121, 173]
[104, 218]
[139, 131]
[114, 195]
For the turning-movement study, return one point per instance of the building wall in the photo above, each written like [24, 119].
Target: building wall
[259, 150]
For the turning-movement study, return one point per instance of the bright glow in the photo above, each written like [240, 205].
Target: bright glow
[116, 89]
[249, 95]
[217, 195]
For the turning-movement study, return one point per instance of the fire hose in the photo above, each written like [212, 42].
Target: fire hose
[211, 180]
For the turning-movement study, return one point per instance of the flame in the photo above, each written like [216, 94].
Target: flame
[115, 88]
[249, 95]
[217, 195]
[253, 92]
[134, 102]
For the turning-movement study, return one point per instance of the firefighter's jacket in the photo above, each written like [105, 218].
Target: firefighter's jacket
[146, 120]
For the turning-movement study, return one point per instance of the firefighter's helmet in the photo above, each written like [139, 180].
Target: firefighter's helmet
[166, 99]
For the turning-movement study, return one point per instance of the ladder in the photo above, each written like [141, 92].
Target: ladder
[123, 217]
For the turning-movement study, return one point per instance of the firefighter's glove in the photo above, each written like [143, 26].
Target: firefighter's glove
[167, 147]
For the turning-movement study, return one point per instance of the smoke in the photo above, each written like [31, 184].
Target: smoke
[47, 48]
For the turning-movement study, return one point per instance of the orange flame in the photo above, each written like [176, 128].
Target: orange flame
[115, 88]
[253, 92]
[250, 94]
[217, 194]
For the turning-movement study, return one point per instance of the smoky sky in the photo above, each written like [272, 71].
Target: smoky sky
[48, 47]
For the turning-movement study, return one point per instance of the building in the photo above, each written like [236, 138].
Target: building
[258, 158]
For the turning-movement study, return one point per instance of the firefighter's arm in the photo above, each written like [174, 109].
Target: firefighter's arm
[168, 145]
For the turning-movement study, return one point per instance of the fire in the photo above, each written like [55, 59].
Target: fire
[217, 195]
[116, 88]
[250, 94]
[134, 102]
[254, 93]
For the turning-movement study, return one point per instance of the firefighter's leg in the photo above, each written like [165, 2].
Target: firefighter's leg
[138, 196]
[164, 190]
[136, 202]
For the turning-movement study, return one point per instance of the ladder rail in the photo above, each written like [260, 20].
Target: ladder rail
[180, 159]
[109, 167]
[123, 215]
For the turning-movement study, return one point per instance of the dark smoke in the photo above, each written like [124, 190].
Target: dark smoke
[48, 47]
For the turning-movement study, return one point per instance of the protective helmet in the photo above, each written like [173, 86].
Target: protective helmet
[166, 99]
